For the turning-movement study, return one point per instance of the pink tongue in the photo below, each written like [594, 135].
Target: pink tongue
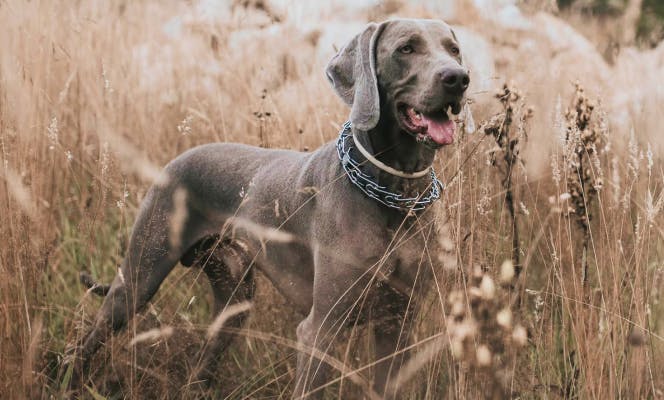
[441, 131]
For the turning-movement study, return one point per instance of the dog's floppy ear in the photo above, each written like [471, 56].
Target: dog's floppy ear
[352, 72]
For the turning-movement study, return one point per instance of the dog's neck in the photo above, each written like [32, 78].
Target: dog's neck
[394, 147]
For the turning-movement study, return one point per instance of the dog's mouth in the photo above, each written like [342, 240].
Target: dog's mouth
[432, 128]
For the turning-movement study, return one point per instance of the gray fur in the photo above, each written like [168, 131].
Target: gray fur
[336, 255]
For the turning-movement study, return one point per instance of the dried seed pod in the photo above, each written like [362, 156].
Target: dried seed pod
[506, 272]
[504, 318]
[458, 310]
[477, 273]
[475, 295]
[456, 347]
[455, 296]
[520, 335]
[483, 355]
[488, 288]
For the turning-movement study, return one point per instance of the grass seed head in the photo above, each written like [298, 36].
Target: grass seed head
[504, 318]
[483, 356]
[520, 335]
[506, 272]
[487, 287]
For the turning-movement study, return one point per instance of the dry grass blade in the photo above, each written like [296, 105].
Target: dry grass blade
[228, 312]
[32, 355]
[152, 335]
[346, 371]
[261, 232]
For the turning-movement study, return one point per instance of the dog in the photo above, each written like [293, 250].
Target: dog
[345, 233]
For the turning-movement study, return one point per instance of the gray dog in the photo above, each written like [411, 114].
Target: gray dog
[344, 233]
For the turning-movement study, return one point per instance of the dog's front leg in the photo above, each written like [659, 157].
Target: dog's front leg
[391, 341]
[338, 291]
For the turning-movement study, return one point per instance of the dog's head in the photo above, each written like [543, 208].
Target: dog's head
[406, 69]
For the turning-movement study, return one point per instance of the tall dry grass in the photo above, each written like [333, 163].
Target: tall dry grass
[96, 96]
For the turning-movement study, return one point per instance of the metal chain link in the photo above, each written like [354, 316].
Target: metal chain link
[367, 184]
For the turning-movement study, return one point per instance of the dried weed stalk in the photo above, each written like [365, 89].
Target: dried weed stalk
[583, 137]
[483, 334]
[505, 156]
[263, 118]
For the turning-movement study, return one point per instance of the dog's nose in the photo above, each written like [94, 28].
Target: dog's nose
[455, 80]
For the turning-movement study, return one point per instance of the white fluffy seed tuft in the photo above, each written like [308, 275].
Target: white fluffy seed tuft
[483, 356]
[507, 272]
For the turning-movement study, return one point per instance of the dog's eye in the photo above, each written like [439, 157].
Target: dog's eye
[455, 50]
[407, 49]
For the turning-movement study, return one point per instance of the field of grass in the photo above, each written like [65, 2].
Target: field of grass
[563, 175]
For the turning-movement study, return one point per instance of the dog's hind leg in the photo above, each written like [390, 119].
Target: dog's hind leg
[228, 267]
[152, 254]
[130, 291]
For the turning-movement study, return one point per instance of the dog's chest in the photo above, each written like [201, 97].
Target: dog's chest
[415, 250]
[403, 271]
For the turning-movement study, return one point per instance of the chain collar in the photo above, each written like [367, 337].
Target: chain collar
[368, 185]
